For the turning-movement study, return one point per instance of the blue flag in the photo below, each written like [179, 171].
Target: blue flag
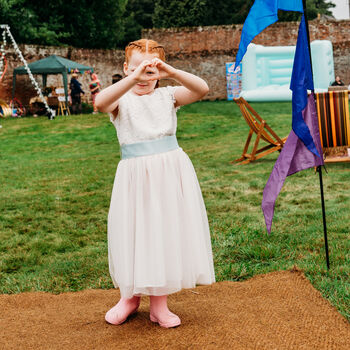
[262, 14]
[301, 81]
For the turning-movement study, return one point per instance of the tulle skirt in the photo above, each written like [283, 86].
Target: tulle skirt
[158, 232]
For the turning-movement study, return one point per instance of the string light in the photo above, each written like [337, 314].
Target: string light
[19, 53]
[2, 52]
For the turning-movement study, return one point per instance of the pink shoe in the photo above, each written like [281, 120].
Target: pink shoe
[159, 307]
[171, 321]
[120, 312]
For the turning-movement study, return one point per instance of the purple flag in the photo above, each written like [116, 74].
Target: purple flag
[294, 157]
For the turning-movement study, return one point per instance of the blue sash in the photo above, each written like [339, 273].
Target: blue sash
[145, 148]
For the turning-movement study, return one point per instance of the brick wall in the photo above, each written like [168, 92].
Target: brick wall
[200, 50]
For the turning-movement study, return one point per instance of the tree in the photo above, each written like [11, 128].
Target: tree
[138, 15]
[26, 25]
[227, 12]
[178, 13]
[85, 23]
[313, 8]
[80, 23]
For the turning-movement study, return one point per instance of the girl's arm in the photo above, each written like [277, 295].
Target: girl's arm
[107, 100]
[193, 88]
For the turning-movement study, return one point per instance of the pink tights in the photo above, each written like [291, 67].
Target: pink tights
[159, 311]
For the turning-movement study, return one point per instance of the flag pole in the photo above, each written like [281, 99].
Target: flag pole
[319, 168]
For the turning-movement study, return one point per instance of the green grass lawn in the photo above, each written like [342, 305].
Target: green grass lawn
[56, 182]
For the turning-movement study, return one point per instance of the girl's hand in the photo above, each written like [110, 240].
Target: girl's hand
[146, 71]
[164, 69]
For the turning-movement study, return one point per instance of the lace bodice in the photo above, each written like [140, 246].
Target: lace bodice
[146, 117]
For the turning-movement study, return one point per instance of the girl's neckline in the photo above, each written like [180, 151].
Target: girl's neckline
[150, 94]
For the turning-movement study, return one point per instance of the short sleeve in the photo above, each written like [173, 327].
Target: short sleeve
[112, 118]
[171, 90]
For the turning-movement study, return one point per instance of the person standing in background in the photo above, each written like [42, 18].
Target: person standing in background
[116, 77]
[337, 81]
[94, 87]
[75, 93]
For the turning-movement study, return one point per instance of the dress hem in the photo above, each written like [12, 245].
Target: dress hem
[154, 293]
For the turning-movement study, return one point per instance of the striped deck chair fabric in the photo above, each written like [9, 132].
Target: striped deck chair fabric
[333, 118]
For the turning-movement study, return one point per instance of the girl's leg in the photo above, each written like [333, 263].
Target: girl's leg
[120, 312]
[160, 313]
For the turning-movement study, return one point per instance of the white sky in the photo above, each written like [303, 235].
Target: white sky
[341, 11]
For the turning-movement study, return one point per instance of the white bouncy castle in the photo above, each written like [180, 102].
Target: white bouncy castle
[267, 70]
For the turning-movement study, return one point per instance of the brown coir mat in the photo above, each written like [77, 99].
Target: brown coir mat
[279, 310]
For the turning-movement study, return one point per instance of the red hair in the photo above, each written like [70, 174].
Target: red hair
[144, 46]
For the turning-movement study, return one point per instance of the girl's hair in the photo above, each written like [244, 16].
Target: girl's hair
[144, 46]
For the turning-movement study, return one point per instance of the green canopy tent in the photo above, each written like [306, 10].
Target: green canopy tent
[51, 65]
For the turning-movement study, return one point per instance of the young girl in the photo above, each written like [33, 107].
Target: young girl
[158, 232]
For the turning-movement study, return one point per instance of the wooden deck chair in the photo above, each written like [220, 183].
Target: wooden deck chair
[262, 130]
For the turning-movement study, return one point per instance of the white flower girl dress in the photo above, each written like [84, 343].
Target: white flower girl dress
[158, 232]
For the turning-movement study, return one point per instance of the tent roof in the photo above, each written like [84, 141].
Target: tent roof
[52, 65]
